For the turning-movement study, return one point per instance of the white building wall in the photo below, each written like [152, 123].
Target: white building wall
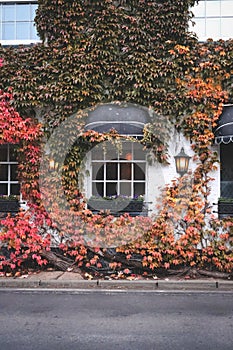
[215, 184]
[160, 175]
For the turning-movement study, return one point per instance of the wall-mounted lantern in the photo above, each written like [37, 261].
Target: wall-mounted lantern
[51, 164]
[182, 162]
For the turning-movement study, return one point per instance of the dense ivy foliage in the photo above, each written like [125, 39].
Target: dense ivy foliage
[133, 51]
[20, 235]
[148, 23]
[98, 52]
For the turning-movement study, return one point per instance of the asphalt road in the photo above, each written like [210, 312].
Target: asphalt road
[113, 321]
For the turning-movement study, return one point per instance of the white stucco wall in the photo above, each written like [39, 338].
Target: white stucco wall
[159, 175]
[215, 184]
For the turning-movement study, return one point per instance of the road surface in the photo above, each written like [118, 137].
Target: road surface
[43, 320]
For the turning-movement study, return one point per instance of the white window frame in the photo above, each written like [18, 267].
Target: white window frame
[15, 42]
[9, 163]
[119, 161]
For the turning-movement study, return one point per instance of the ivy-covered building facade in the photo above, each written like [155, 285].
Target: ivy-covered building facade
[128, 107]
[212, 19]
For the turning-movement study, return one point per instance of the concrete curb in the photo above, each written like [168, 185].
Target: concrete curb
[159, 285]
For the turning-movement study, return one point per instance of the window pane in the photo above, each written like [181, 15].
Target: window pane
[15, 189]
[111, 171]
[111, 189]
[139, 189]
[111, 151]
[212, 8]
[23, 12]
[227, 27]
[3, 172]
[139, 171]
[33, 30]
[199, 9]
[227, 8]
[213, 27]
[14, 174]
[226, 170]
[3, 189]
[126, 151]
[199, 27]
[227, 189]
[125, 189]
[97, 171]
[97, 152]
[139, 152]
[125, 171]
[33, 10]
[98, 189]
[3, 153]
[23, 30]
[12, 152]
[8, 13]
[8, 31]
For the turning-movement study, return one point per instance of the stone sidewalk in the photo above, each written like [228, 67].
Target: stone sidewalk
[71, 280]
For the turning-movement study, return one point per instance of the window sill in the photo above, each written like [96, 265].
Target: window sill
[26, 42]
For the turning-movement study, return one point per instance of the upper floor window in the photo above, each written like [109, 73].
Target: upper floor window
[213, 19]
[17, 22]
[9, 184]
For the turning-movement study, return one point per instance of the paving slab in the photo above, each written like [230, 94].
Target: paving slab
[44, 276]
[70, 276]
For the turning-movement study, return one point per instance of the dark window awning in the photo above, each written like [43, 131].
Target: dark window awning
[224, 130]
[126, 119]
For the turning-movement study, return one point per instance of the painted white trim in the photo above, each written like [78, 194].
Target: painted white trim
[19, 42]
[221, 126]
[222, 139]
[14, 1]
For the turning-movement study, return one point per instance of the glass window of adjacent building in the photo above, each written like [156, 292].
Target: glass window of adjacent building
[9, 184]
[17, 22]
[213, 19]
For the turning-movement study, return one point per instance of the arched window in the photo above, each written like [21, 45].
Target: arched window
[118, 172]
